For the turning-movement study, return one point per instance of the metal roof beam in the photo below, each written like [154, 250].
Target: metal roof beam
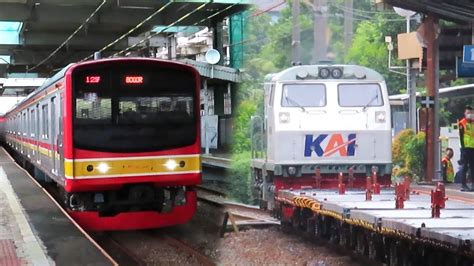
[77, 15]
[14, 12]
[444, 9]
[91, 41]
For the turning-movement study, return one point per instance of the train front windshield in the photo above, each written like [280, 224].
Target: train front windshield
[133, 108]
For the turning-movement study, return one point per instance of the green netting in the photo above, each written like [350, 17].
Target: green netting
[237, 27]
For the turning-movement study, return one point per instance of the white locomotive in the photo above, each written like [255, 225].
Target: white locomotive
[321, 121]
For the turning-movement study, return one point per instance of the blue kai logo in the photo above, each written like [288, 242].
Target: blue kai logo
[335, 144]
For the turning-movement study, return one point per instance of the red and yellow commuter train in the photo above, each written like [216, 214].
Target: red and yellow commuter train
[120, 137]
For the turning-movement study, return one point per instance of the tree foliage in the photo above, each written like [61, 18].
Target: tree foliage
[241, 181]
[409, 154]
[398, 146]
[369, 49]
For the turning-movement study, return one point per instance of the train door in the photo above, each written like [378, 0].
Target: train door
[54, 137]
[37, 133]
[23, 133]
[33, 133]
[60, 141]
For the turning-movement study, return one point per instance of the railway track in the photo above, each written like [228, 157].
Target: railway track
[239, 215]
[211, 191]
[115, 246]
[138, 248]
[121, 254]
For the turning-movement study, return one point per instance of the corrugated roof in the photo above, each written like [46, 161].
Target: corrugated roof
[453, 10]
[215, 71]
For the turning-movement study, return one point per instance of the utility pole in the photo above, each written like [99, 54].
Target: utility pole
[432, 84]
[411, 87]
[320, 25]
[296, 36]
[348, 24]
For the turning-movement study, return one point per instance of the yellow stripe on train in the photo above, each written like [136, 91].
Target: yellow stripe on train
[129, 167]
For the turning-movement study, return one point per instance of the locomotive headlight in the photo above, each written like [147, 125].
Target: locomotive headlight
[103, 168]
[324, 73]
[171, 164]
[284, 117]
[336, 73]
[380, 117]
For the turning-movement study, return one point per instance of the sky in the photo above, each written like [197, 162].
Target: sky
[6, 103]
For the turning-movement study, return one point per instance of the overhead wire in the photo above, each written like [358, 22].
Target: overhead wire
[360, 18]
[131, 30]
[365, 16]
[70, 36]
[163, 29]
[256, 14]
[365, 11]
[146, 20]
[202, 20]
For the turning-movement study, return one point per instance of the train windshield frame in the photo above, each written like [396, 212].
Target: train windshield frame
[135, 107]
[303, 95]
[360, 95]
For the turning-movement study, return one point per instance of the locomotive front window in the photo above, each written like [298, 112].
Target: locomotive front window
[303, 95]
[360, 95]
[154, 110]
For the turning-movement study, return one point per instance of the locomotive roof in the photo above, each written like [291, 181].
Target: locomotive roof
[311, 72]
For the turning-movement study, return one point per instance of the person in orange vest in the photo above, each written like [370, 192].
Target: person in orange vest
[466, 137]
[447, 168]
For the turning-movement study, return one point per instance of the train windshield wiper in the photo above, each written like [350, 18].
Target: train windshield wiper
[371, 100]
[288, 99]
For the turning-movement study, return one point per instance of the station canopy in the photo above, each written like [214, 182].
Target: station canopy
[455, 32]
[31, 31]
[460, 11]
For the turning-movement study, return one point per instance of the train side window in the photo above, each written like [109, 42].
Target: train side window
[32, 123]
[272, 92]
[44, 118]
[53, 117]
[38, 122]
[18, 124]
[24, 125]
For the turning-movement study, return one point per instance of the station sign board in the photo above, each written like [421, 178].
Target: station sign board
[464, 70]
[468, 54]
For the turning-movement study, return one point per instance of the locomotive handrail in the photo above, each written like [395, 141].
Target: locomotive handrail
[255, 151]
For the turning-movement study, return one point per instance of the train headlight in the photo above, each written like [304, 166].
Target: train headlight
[336, 73]
[359, 73]
[171, 164]
[284, 117]
[103, 168]
[380, 117]
[324, 73]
